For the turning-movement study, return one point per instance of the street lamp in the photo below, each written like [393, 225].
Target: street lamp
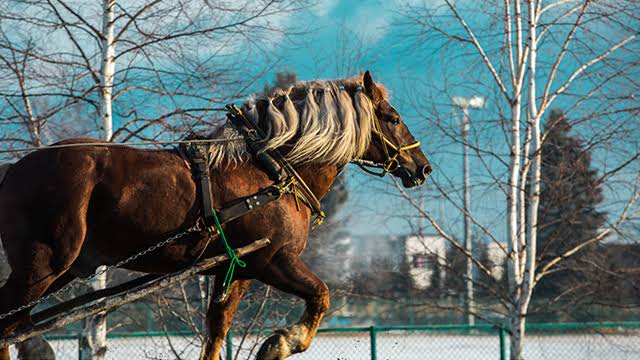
[474, 102]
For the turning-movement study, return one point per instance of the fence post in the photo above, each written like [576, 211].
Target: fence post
[503, 342]
[372, 336]
[230, 344]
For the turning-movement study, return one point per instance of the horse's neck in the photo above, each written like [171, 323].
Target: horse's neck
[319, 178]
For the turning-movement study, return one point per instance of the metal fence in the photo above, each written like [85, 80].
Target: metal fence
[579, 341]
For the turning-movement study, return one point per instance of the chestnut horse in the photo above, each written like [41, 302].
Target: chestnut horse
[65, 211]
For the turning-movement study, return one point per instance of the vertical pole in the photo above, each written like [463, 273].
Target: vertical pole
[503, 343]
[469, 301]
[372, 338]
[149, 320]
[375, 311]
[230, 344]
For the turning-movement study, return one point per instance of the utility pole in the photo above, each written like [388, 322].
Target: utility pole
[475, 102]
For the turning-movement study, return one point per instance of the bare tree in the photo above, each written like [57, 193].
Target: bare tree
[580, 54]
[139, 69]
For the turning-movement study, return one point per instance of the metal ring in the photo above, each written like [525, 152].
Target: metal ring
[392, 165]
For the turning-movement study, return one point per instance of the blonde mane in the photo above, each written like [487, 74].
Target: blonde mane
[323, 122]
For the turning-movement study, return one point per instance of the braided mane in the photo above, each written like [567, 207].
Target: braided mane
[320, 121]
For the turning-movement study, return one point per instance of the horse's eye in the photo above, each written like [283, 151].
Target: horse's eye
[395, 121]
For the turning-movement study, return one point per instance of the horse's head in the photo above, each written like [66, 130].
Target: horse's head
[393, 148]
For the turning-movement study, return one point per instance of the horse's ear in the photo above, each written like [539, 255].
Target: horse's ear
[371, 89]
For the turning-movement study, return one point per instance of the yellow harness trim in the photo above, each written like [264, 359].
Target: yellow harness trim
[385, 142]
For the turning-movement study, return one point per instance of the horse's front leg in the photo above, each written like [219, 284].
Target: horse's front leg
[220, 316]
[289, 274]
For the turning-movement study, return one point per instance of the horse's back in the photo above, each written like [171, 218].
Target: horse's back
[111, 177]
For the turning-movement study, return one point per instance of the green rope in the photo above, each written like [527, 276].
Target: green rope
[232, 256]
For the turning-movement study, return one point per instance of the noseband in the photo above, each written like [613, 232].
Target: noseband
[391, 152]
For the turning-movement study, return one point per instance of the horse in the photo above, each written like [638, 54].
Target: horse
[66, 210]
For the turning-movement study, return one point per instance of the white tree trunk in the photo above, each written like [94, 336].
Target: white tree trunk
[530, 238]
[108, 67]
[94, 343]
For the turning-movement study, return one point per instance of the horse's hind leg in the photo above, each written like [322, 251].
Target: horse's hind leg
[220, 316]
[289, 274]
[40, 265]
[24, 286]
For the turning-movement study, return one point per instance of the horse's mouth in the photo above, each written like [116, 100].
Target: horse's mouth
[412, 182]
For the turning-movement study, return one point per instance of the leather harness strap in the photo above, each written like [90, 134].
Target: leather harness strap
[254, 136]
[202, 175]
[286, 178]
[248, 204]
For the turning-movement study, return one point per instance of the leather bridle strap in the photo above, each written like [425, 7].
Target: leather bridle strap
[391, 163]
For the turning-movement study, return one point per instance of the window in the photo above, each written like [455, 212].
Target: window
[420, 261]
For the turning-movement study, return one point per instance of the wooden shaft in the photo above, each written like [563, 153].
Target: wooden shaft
[73, 315]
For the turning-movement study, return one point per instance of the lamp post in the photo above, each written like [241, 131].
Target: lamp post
[475, 102]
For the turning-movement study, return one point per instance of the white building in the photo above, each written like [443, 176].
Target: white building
[423, 253]
[497, 255]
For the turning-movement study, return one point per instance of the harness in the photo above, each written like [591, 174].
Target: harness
[286, 179]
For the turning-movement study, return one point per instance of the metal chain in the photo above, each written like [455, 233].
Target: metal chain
[196, 227]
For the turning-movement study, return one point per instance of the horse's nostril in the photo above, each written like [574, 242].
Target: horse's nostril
[426, 170]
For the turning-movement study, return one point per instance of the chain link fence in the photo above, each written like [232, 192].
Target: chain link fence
[574, 341]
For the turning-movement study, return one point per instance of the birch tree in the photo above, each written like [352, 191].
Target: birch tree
[144, 69]
[532, 55]
[155, 68]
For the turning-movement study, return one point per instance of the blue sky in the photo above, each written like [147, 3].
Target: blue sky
[342, 38]
[364, 27]
[412, 67]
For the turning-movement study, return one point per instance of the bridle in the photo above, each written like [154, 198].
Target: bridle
[391, 152]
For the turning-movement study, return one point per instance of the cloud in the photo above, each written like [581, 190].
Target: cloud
[323, 7]
[371, 23]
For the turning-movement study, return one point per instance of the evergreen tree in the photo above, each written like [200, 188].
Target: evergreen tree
[454, 281]
[568, 215]
[437, 282]
[283, 80]
[485, 281]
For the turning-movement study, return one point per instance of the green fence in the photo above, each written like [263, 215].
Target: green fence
[579, 341]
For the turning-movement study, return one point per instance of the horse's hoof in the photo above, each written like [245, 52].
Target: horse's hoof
[275, 347]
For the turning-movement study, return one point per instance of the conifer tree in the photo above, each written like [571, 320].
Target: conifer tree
[568, 214]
